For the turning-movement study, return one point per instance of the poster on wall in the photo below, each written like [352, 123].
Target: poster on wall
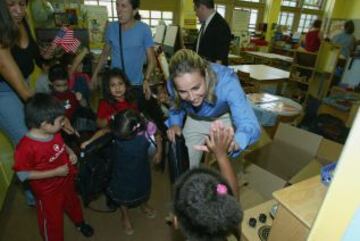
[240, 22]
[97, 17]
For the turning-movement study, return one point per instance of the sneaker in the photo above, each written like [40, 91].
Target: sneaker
[85, 229]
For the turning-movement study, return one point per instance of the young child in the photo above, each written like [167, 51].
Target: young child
[130, 184]
[60, 89]
[78, 80]
[42, 158]
[117, 96]
[204, 202]
[162, 97]
[42, 83]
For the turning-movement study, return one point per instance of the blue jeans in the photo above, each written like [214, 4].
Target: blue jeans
[12, 120]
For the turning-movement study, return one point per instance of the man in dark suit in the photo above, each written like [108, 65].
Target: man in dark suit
[214, 38]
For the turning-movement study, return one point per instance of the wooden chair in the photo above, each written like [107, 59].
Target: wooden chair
[249, 85]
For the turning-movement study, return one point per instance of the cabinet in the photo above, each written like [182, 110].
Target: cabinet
[312, 73]
[298, 208]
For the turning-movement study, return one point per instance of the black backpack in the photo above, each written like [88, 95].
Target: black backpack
[95, 168]
[178, 158]
[330, 127]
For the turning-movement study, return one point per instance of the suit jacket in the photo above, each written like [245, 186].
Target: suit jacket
[215, 41]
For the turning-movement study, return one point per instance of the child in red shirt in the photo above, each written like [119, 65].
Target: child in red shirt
[58, 78]
[78, 80]
[117, 96]
[43, 158]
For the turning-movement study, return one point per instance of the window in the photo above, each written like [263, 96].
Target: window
[306, 20]
[221, 9]
[313, 4]
[153, 18]
[286, 18]
[253, 17]
[289, 3]
[299, 14]
[256, 9]
[109, 4]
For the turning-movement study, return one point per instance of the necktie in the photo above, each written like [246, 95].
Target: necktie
[201, 33]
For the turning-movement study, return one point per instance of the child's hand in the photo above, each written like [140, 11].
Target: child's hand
[84, 144]
[62, 171]
[220, 140]
[68, 128]
[157, 158]
[218, 137]
[78, 96]
[73, 158]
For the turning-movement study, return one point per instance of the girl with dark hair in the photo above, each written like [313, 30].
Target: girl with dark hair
[346, 39]
[117, 96]
[130, 184]
[205, 202]
[130, 43]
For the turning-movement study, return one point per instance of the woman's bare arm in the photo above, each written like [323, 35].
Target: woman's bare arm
[12, 74]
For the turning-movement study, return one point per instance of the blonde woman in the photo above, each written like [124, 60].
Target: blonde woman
[203, 92]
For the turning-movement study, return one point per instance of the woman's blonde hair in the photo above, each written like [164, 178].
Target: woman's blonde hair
[187, 61]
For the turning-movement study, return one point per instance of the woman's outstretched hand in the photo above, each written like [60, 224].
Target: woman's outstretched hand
[218, 130]
[172, 131]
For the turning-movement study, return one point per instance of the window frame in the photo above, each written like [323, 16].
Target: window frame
[300, 10]
[113, 15]
[252, 5]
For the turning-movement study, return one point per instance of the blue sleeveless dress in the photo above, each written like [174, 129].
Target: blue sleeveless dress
[130, 183]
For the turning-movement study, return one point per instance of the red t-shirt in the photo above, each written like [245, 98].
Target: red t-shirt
[31, 155]
[106, 110]
[312, 41]
[70, 102]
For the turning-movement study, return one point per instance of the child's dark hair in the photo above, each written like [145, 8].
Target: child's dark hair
[116, 73]
[127, 124]
[67, 59]
[42, 108]
[204, 211]
[57, 72]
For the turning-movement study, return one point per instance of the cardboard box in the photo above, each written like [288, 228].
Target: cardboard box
[293, 155]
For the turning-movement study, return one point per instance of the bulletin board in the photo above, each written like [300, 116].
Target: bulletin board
[240, 21]
[170, 36]
[97, 18]
[159, 34]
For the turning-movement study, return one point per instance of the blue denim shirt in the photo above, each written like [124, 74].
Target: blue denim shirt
[230, 98]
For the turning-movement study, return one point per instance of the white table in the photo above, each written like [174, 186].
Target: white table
[271, 56]
[264, 74]
[272, 109]
[234, 59]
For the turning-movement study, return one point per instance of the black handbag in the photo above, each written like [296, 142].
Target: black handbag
[178, 158]
[95, 166]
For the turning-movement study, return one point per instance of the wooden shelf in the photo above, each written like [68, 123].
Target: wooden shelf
[303, 67]
[301, 82]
